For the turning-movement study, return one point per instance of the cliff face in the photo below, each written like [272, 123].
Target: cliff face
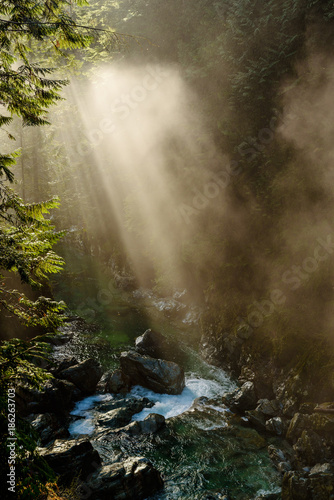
[291, 397]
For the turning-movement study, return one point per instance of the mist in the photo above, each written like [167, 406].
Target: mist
[150, 153]
[202, 161]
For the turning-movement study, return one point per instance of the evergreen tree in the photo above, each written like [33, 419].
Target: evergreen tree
[27, 236]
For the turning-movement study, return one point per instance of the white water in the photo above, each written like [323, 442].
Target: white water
[82, 408]
[173, 405]
[165, 404]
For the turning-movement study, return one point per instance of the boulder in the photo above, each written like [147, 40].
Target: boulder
[48, 427]
[155, 374]
[133, 479]
[84, 375]
[63, 365]
[276, 425]
[119, 417]
[156, 345]
[259, 416]
[279, 458]
[71, 459]
[244, 398]
[56, 397]
[268, 408]
[151, 424]
[256, 419]
[117, 383]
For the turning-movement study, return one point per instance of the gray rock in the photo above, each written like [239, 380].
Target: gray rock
[256, 418]
[119, 417]
[245, 398]
[280, 460]
[321, 469]
[276, 425]
[84, 375]
[48, 427]
[118, 383]
[155, 374]
[156, 345]
[71, 459]
[151, 424]
[266, 407]
[133, 479]
[63, 365]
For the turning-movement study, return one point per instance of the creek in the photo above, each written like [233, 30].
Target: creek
[205, 451]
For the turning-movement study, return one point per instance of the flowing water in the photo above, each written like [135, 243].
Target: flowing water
[205, 451]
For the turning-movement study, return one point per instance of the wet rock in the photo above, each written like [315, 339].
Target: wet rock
[84, 375]
[118, 383]
[245, 398]
[150, 425]
[215, 496]
[119, 417]
[48, 427]
[256, 418]
[101, 386]
[259, 416]
[276, 425]
[290, 407]
[133, 479]
[280, 460]
[155, 374]
[71, 459]
[156, 345]
[113, 382]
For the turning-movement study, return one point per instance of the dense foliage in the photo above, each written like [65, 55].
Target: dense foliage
[26, 234]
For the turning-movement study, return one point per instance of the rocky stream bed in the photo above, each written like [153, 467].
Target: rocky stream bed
[149, 418]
